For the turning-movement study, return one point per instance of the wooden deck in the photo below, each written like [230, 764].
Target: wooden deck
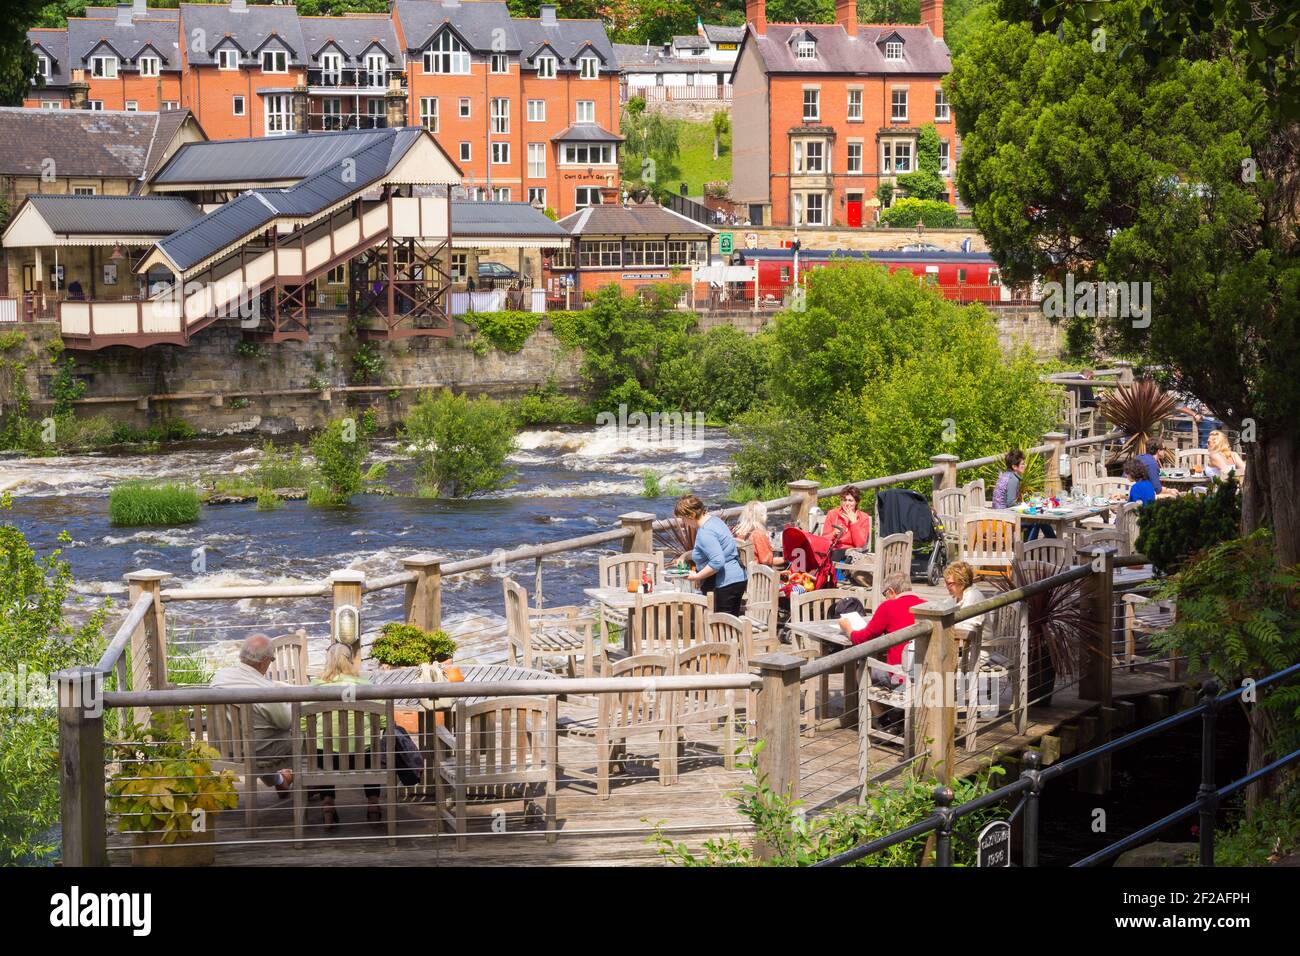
[609, 832]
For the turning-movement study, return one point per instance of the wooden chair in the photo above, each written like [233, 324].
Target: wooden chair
[1082, 469]
[950, 504]
[666, 623]
[615, 572]
[344, 744]
[1003, 655]
[624, 714]
[289, 665]
[805, 608]
[990, 541]
[761, 595]
[1052, 551]
[1106, 486]
[1106, 536]
[228, 729]
[504, 747]
[532, 633]
[896, 694]
[1143, 616]
[976, 497]
[1085, 422]
[1190, 458]
[694, 710]
[1126, 523]
[893, 555]
[729, 629]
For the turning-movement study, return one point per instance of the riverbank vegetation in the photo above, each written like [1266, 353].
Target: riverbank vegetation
[146, 504]
[459, 445]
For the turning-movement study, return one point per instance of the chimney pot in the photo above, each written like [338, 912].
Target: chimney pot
[547, 14]
[932, 16]
[846, 15]
[756, 14]
[124, 11]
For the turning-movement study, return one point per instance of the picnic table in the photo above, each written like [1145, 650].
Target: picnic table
[1069, 513]
[828, 634]
[473, 673]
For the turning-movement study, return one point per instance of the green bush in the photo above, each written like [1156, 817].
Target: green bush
[367, 365]
[1173, 529]
[406, 645]
[508, 331]
[547, 406]
[340, 449]
[288, 469]
[139, 503]
[35, 591]
[460, 445]
[906, 213]
[731, 370]
[925, 183]
[776, 445]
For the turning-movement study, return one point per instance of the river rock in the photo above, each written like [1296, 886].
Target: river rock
[287, 494]
[1160, 854]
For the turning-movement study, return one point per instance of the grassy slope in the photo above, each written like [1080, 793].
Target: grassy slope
[695, 157]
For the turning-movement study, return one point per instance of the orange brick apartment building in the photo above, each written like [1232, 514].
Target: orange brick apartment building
[529, 108]
[822, 113]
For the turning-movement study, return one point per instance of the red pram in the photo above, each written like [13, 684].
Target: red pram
[807, 555]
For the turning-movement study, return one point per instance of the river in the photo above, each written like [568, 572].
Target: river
[568, 482]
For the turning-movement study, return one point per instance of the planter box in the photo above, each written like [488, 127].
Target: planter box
[193, 849]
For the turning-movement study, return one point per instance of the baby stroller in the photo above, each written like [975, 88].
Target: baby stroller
[809, 557]
[899, 511]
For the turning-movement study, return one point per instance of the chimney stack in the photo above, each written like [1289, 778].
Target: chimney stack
[78, 91]
[846, 15]
[124, 11]
[547, 14]
[139, 7]
[932, 16]
[238, 6]
[756, 14]
[395, 103]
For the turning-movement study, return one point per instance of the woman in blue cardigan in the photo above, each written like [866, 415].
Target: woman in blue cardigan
[716, 558]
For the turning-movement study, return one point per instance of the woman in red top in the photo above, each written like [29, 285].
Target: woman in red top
[893, 614]
[853, 525]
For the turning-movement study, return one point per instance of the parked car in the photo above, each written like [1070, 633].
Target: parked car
[495, 272]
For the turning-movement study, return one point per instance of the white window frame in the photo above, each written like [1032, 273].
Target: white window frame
[816, 103]
[501, 194]
[894, 50]
[890, 154]
[278, 122]
[429, 113]
[588, 154]
[537, 111]
[853, 151]
[644, 252]
[331, 65]
[42, 66]
[227, 59]
[814, 153]
[341, 271]
[808, 219]
[84, 191]
[446, 55]
[466, 152]
[536, 160]
[376, 70]
[591, 192]
[132, 106]
[95, 104]
[536, 194]
[942, 108]
[459, 266]
[465, 108]
[600, 254]
[104, 67]
[853, 106]
[171, 104]
[897, 99]
[500, 153]
[275, 58]
[238, 105]
[588, 68]
[500, 63]
[805, 50]
[149, 66]
[546, 67]
[499, 111]
[585, 111]
[945, 158]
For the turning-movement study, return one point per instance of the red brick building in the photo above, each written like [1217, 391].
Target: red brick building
[529, 108]
[823, 113]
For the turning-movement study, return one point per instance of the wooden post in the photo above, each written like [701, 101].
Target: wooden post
[149, 642]
[641, 524]
[81, 767]
[949, 477]
[1098, 605]
[778, 724]
[347, 587]
[1052, 467]
[422, 605]
[933, 690]
[801, 512]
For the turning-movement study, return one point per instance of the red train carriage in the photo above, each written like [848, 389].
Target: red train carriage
[960, 276]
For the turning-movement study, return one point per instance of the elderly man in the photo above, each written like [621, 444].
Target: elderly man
[271, 722]
[893, 614]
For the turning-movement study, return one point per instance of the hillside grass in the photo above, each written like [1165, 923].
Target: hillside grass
[695, 157]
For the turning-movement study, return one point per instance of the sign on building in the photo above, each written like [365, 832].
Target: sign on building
[725, 240]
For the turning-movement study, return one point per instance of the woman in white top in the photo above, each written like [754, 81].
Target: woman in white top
[959, 578]
[1222, 458]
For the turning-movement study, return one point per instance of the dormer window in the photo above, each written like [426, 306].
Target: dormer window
[227, 59]
[275, 61]
[376, 70]
[331, 67]
[43, 66]
[545, 67]
[148, 65]
[103, 67]
[806, 50]
[446, 54]
[894, 50]
[588, 67]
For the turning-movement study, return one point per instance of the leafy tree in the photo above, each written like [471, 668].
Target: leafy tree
[36, 640]
[1175, 529]
[1174, 170]
[649, 152]
[460, 445]
[925, 183]
[776, 445]
[340, 449]
[721, 127]
[906, 213]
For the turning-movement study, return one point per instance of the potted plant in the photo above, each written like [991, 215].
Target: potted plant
[166, 792]
[1058, 626]
[1138, 410]
[408, 645]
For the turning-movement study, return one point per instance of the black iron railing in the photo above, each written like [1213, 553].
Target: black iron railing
[1033, 779]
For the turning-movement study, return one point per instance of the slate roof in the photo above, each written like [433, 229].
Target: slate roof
[152, 13]
[98, 143]
[54, 42]
[269, 159]
[837, 53]
[253, 210]
[636, 54]
[633, 58]
[717, 33]
[586, 133]
[353, 35]
[475, 22]
[569, 39]
[631, 220]
[249, 28]
[692, 42]
[502, 219]
[84, 36]
[115, 215]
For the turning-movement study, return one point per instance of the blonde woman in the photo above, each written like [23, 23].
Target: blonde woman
[752, 527]
[959, 579]
[341, 667]
[1222, 458]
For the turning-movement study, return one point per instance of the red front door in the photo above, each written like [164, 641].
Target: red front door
[855, 212]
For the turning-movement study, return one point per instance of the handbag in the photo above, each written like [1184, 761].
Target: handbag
[407, 757]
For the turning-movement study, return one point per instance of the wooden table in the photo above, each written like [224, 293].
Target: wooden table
[1183, 480]
[1069, 514]
[832, 639]
[472, 672]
